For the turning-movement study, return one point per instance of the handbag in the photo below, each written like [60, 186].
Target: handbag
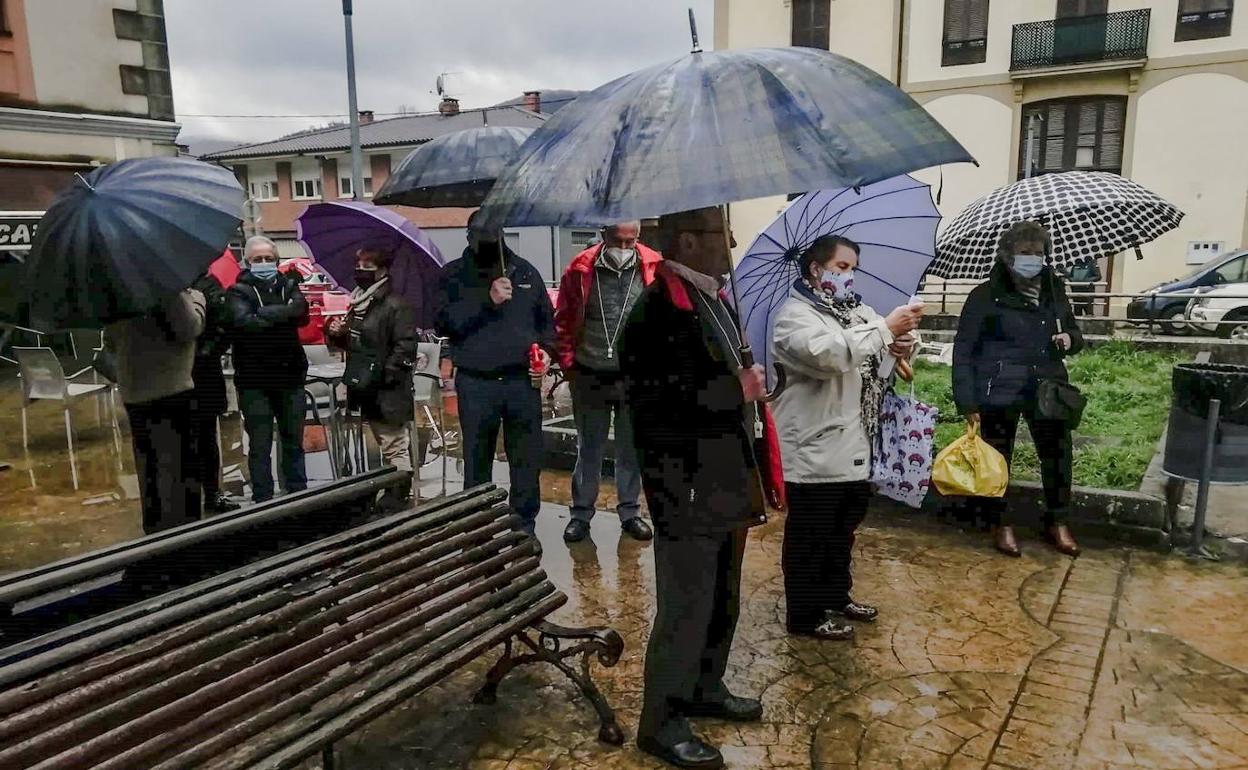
[901, 468]
[362, 372]
[1058, 399]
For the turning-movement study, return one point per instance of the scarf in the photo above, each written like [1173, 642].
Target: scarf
[846, 312]
[362, 298]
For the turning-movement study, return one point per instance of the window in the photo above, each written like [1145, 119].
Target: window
[1074, 134]
[4, 20]
[812, 23]
[306, 189]
[1072, 8]
[966, 32]
[1231, 272]
[345, 189]
[265, 190]
[1200, 19]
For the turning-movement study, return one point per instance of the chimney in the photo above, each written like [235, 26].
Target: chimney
[533, 101]
[366, 117]
[449, 106]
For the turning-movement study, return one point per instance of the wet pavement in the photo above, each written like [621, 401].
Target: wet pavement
[1117, 659]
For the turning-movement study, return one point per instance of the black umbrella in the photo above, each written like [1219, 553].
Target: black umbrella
[127, 236]
[453, 170]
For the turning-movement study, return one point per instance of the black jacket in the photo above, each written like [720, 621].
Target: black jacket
[1004, 346]
[388, 332]
[208, 397]
[688, 414]
[488, 338]
[265, 317]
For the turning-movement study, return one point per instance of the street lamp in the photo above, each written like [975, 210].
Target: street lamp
[357, 160]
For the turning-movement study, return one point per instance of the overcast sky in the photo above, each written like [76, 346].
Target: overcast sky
[284, 57]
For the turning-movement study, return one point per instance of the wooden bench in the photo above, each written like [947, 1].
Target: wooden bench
[279, 659]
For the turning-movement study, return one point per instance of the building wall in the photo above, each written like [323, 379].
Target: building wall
[17, 80]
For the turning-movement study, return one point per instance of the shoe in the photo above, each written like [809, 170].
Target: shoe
[394, 499]
[829, 630]
[731, 708]
[694, 753]
[576, 531]
[1062, 540]
[636, 528]
[1004, 541]
[219, 503]
[863, 613]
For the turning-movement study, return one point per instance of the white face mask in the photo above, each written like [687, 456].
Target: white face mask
[618, 258]
[839, 285]
[1027, 266]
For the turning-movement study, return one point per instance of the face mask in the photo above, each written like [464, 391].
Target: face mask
[265, 270]
[618, 258]
[365, 277]
[840, 285]
[1027, 266]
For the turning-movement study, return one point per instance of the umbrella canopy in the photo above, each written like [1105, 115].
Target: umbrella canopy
[453, 170]
[894, 221]
[127, 236]
[716, 127]
[225, 269]
[333, 232]
[1089, 215]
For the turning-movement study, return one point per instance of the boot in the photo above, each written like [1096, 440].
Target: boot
[1005, 542]
[1063, 542]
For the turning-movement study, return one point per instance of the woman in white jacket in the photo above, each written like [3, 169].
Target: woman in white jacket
[832, 346]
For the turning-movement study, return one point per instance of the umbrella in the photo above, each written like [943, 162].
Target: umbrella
[1089, 214]
[333, 232]
[894, 221]
[453, 170]
[127, 236]
[225, 269]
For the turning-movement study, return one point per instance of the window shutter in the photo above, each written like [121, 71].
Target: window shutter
[1055, 137]
[976, 19]
[955, 17]
[1111, 137]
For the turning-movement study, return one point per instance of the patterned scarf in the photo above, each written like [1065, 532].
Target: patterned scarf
[362, 298]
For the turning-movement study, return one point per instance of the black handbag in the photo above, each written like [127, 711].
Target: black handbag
[362, 372]
[1058, 399]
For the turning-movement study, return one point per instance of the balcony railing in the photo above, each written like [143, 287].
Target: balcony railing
[1121, 36]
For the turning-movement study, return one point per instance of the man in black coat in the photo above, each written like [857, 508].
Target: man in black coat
[208, 401]
[266, 310]
[493, 307]
[694, 436]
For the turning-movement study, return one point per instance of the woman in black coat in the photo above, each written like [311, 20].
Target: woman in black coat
[379, 333]
[1009, 341]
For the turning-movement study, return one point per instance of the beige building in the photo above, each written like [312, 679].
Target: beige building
[1156, 91]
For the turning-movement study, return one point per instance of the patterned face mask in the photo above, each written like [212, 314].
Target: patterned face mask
[839, 285]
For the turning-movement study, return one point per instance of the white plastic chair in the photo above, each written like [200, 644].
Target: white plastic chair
[43, 379]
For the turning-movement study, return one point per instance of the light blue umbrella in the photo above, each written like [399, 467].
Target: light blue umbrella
[894, 221]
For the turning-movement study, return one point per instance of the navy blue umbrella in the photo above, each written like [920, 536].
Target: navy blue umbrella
[127, 236]
[453, 170]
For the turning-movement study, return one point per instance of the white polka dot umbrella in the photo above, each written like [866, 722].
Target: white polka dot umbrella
[1089, 214]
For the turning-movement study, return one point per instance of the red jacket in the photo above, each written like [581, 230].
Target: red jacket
[574, 292]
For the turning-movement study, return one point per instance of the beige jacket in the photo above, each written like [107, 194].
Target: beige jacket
[154, 360]
[819, 414]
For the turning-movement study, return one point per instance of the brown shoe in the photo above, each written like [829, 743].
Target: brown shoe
[1005, 542]
[1062, 540]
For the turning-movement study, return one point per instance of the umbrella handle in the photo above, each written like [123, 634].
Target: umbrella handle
[782, 377]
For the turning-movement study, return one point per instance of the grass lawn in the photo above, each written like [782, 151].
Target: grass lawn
[1128, 395]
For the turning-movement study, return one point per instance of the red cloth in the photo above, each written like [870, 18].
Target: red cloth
[574, 291]
[225, 269]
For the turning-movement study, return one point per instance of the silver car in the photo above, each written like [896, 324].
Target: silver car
[1222, 310]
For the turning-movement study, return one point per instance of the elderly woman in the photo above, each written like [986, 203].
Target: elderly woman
[379, 335]
[832, 346]
[1008, 342]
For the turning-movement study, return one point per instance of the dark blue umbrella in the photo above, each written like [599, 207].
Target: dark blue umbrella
[453, 170]
[127, 236]
[716, 127]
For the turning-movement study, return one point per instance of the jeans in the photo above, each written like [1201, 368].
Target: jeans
[162, 433]
[818, 549]
[999, 428]
[486, 404]
[260, 409]
[597, 401]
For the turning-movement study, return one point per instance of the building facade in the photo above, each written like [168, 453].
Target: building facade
[1156, 91]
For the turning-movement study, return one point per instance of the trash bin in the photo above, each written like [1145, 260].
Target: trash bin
[1194, 386]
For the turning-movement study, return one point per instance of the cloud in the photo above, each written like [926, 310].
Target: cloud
[284, 57]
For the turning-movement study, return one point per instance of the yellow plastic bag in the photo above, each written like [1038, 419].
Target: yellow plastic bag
[970, 467]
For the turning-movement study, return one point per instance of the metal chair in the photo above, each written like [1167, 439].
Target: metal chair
[43, 379]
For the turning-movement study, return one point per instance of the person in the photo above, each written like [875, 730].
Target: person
[266, 310]
[1083, 279]
[380, 328]
[1008, 340]
[694, 422]
[492, 306]
[208, 400]
[597, 291]
[155, 355]
[831, 345]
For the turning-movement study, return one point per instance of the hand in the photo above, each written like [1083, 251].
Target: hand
[500, 291]
[1063, 341]
[902, 346]
[904, 319]
[335, 326]
[753, 383]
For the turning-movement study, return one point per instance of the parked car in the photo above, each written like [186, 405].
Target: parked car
[1170, 312]
[1223, 311]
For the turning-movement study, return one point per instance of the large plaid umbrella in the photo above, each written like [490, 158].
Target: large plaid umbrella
[456, 169]
[1089, 215]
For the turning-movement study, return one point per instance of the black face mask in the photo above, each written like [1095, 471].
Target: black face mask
[365, 277]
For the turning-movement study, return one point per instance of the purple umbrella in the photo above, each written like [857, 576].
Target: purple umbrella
[333, 232]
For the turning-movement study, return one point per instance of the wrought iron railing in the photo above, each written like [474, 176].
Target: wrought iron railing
[1080, 40]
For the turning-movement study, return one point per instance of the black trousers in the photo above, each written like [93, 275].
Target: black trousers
[162, 434]
[818, 548]
[999, 427]
[261, 408]
[511, 403]
[698, 588]
[207, 453]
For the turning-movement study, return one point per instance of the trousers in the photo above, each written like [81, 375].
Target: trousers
[261, 408]
[162, 433]
[597, 407]
[819, 534]
[510, 403]
[999, 427]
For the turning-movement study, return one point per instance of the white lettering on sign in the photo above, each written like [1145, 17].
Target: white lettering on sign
[17, 234]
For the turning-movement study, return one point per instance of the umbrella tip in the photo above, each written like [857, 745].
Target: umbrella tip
[84, 181]
[693, 32]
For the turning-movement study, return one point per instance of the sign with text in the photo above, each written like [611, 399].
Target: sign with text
[17, 231]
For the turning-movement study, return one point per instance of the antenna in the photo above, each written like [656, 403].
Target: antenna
[693, 32]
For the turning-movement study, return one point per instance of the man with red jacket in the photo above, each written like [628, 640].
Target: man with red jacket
[597, 292]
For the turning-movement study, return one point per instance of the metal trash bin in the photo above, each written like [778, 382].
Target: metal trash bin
[1194, 386]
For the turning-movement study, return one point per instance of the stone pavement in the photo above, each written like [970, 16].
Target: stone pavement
[1116, 659]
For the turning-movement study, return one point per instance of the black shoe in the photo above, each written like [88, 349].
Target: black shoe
[731, 708]
[637, 529]
[576, 531]
[219, 503]
[864, 613]
[694, 753]
[394, 499]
